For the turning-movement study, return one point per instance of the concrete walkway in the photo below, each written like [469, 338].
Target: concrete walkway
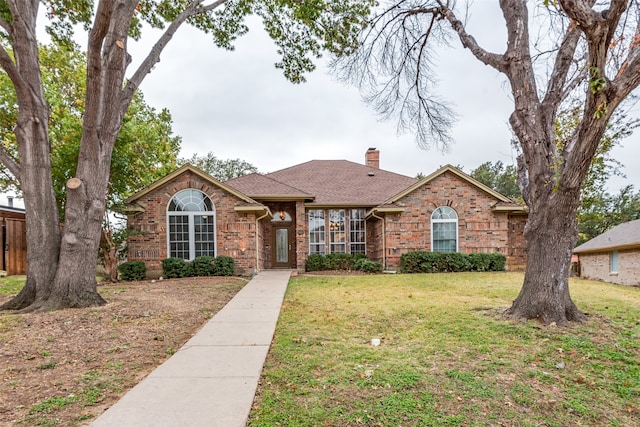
[212, 379]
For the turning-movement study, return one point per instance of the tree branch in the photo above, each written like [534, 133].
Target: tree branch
[8, 28]
[557, 82]
[468, 41]
[192, 9]
[10, 163]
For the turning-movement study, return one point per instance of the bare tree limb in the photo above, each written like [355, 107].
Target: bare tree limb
[468, 41]
[10, 163]
[153, 57]
[564, 58]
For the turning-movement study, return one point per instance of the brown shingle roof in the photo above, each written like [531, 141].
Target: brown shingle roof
[260, 186]
[341, 182]
[625, 235]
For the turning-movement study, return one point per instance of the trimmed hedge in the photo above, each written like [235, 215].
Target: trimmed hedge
[446, 262]
[317, 262]
[200, 266]
[132, 270]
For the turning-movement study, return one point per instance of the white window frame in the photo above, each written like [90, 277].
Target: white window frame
[443, 215]
[614, 262]
[192, 203]
[357, 227]
[317, 217]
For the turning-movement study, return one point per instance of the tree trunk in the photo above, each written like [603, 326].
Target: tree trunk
[551, 233]
[109, 255]
[34, 174]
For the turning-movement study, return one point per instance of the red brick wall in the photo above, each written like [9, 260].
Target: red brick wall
[479, 228]
[235, 231]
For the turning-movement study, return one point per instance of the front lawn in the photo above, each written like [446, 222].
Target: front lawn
[447, 357]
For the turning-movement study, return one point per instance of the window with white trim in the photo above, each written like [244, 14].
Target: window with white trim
[337, 232]
[613, 262]
[316, 232]
[191, 230]
[444, 230]
[357, 232]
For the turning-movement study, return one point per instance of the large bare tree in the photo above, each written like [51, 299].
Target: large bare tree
[61, 261]
[591, 54]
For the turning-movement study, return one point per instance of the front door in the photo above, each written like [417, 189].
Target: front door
[283, 254]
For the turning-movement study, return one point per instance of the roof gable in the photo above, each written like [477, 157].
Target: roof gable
[500, 198]
[184, 169]
[626, 235]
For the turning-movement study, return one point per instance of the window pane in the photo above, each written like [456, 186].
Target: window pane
[337, 231]
[613, 262]
[444, 230]
[192, 226]
[179, 236]
[204, 235]
[316, 232]
[282, 245]
[357, 235]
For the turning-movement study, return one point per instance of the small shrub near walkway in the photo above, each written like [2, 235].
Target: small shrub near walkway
[446, 355]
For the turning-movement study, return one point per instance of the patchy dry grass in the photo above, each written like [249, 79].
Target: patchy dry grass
[447, 357]
[64, 368]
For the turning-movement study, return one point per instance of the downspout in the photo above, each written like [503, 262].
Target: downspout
[266, 214]
[384, 238]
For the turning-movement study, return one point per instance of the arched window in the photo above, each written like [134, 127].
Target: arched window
[191, 231]
[444, 230]
[281, 216]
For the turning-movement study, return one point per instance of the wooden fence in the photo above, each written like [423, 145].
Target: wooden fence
[13, 243]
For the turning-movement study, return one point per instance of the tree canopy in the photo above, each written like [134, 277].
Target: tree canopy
[145, 148]
[222, 170]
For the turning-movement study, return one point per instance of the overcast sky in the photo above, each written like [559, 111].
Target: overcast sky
[237, 105]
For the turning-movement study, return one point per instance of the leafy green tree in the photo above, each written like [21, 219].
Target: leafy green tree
[145, 148]
[61, 261]
[222, 170]
[499, 177]
[584, 53]
[607, 211]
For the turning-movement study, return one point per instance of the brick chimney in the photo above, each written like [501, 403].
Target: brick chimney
[372, 158]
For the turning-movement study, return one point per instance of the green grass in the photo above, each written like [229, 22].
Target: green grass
[11, 285]
[447, 356]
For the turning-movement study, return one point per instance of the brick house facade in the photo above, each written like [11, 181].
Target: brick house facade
[613, 256]
[276, 220]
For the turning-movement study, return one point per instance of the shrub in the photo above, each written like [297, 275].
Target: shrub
[224, 266]
[480, 261]
[316, 262]
[174, 267]
[498, 262]
[339, 261]
[368, 266]
[440, 262]
[132, 270]
[202, 266]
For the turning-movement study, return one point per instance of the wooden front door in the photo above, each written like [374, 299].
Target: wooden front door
[283, 250]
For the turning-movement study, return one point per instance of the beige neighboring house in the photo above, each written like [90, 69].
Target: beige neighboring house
[613, 256]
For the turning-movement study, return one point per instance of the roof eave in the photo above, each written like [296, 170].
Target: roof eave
[608, 248]
[282, 197]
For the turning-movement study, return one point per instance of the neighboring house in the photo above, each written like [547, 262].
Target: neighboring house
[276, 220]
[613, 256]
[13, 239]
